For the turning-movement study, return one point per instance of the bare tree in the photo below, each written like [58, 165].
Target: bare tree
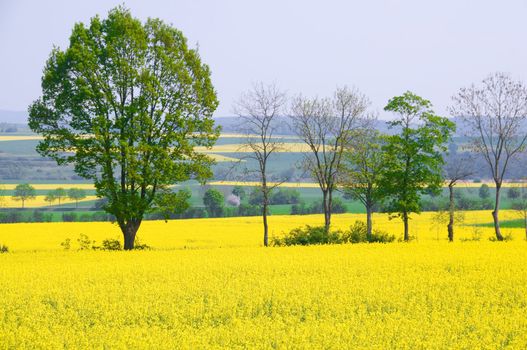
[362, 170]
[260, 110]
[458, 167]
[496, 113]
[325, 125]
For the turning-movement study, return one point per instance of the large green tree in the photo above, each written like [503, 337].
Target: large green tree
[414, 154]
[126, 103]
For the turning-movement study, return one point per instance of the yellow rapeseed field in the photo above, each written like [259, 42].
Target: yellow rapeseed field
[208, 283]
[38, 201]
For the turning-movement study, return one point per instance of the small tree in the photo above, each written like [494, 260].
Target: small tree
[363, 165]
[239, 191]
[23, 193]
[50, 197]
[513, 193]
[76, 194]
[325, 125]
[214, 202]
[495, 113]
[60, 194]
[414, 161]
[458, 167]
[484, 191]
[259, 110]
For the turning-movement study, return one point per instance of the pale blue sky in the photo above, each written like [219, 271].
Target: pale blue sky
[382, 47]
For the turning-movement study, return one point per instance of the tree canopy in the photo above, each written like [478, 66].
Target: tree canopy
[126, 103]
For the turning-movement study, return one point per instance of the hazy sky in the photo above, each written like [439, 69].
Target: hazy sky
[382, 47]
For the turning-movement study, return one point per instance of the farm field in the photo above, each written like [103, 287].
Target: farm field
[208, 283]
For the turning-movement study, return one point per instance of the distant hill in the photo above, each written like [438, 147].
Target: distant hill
[14, 117]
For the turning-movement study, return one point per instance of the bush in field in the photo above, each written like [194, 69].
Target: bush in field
[4, 249]
[310, 235]
[111, 244]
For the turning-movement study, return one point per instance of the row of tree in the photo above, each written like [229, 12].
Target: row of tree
[347, 152]
[26, 192]
[134, 100]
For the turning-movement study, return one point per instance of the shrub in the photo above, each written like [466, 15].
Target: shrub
[4, 249]
[309, 235]
[85, 243]
[66, 244]
[249, 210]
[358, 233]
[141, 246]
[513, 193]
[111, 244]
[484, 191]
[69, 217]
[285, 196]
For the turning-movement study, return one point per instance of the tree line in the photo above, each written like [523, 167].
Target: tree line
[127, 103]
[347, 152]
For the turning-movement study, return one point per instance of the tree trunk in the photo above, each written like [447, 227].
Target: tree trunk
[129, 232]
[451, 211]
[264, 218]
[495, 213]
[369, 228]
[405, 220]
[326, 199]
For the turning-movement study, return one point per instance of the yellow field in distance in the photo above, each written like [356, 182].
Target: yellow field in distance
[9, 202]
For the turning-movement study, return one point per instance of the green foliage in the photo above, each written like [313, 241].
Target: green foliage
[168, 203]
[413, 156]
[362, 167]
[214, 202]
[59, 194]
[126, 104]
[484, 191]
[50, 197]
[85, 243]
[513, 193]
[285, 196]
[24, 192]
[256, 196]
[66, 244]
[310, 235]
[317, 207]
[4, 249]
[239, 191]
[358, 233]
[111, 244]
[76, 194]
